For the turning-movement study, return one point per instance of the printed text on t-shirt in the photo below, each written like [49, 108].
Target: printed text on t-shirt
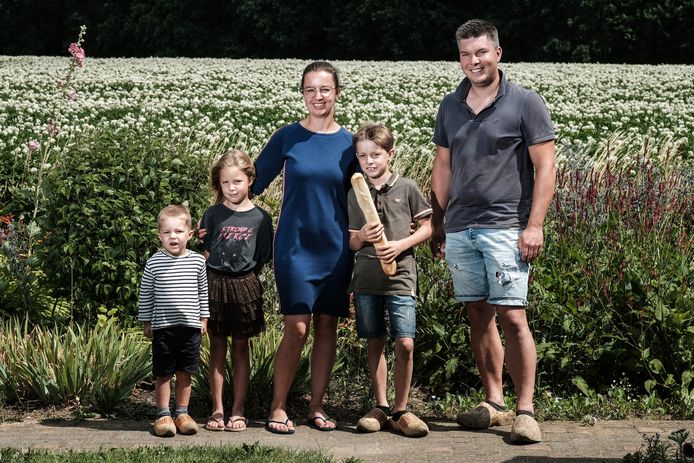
[236, 233]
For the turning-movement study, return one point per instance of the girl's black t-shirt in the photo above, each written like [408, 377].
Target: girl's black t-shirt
[238, 242]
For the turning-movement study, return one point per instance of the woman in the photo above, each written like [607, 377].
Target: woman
[312, 259]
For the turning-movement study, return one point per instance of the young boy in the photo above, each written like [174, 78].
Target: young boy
[174, 309]
[398, 202]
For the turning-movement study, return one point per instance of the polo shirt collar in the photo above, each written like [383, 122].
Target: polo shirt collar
[464, 88]
[386, 186]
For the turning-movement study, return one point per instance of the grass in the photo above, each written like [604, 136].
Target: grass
[248, 453]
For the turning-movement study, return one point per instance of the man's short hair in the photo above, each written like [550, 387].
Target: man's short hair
[477, 28]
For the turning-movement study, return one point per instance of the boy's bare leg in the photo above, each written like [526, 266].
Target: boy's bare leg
[183, 388]
[162, 391]
[378, 368]
[404, 359]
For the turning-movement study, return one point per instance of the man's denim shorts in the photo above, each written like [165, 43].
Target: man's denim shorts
[485, 264]
[371, 315]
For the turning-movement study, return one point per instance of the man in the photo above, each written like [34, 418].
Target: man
[493, 176]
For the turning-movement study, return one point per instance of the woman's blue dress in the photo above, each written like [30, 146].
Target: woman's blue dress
[312, 259]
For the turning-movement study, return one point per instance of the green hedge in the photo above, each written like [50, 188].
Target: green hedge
[611, 296]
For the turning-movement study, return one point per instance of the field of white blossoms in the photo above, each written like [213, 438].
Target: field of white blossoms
[241, 102]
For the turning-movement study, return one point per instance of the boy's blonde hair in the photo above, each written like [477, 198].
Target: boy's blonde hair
[174, 210]
[377, 133]
[232, 158]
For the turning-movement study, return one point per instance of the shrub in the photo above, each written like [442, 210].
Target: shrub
[612, 294]
[98, 367]
[119, 361]
[100, 214]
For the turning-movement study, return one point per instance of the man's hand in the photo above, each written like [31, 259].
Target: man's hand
[147, 331]
[437, 242]
[203, 327]
[530, 243]
[441, 176]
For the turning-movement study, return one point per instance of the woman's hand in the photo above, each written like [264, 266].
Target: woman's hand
[201, 232]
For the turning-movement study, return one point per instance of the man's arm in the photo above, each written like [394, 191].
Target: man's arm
[543, 159]
[440, 188]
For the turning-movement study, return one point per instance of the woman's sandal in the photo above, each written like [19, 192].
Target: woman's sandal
[229, 427]
[290, 430]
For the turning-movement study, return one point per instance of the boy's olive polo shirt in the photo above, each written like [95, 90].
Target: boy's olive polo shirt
[398, 202]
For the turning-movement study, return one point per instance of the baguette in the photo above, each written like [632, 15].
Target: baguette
[367, 206]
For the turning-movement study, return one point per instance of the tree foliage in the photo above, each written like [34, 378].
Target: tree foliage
[629, 31]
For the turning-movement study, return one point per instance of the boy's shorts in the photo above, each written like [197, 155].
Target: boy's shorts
[485, 264]
[371, 312]
[176, 348]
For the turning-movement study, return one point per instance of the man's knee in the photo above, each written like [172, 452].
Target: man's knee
[513, 321]
[480, 313]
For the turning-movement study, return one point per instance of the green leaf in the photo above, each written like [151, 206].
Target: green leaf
[581, 384]
[660, 310]
[656, 366]
[649, 385]
[646, 353]
[33, 229]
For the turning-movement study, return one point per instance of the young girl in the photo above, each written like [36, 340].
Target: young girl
[237, 244]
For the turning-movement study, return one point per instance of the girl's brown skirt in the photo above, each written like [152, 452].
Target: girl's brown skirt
[236, 305]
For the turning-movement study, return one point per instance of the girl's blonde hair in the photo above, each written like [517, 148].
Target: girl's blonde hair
[232, 158]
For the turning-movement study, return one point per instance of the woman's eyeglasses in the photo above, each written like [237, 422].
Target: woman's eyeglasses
[312, 91]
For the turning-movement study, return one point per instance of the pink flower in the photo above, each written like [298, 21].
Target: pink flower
[33, 145]
[77, 52]
[52, 128]
[72, 94]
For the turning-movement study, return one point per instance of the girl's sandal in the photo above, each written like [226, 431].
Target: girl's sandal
[217, 426]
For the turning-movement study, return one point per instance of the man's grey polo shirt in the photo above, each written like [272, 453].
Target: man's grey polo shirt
[492, 175]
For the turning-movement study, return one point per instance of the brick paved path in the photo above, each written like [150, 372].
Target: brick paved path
[565, 442]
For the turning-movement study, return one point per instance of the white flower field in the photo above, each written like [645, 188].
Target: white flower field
[241, 102]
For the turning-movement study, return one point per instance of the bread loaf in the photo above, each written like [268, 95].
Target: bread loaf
[367, 206]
